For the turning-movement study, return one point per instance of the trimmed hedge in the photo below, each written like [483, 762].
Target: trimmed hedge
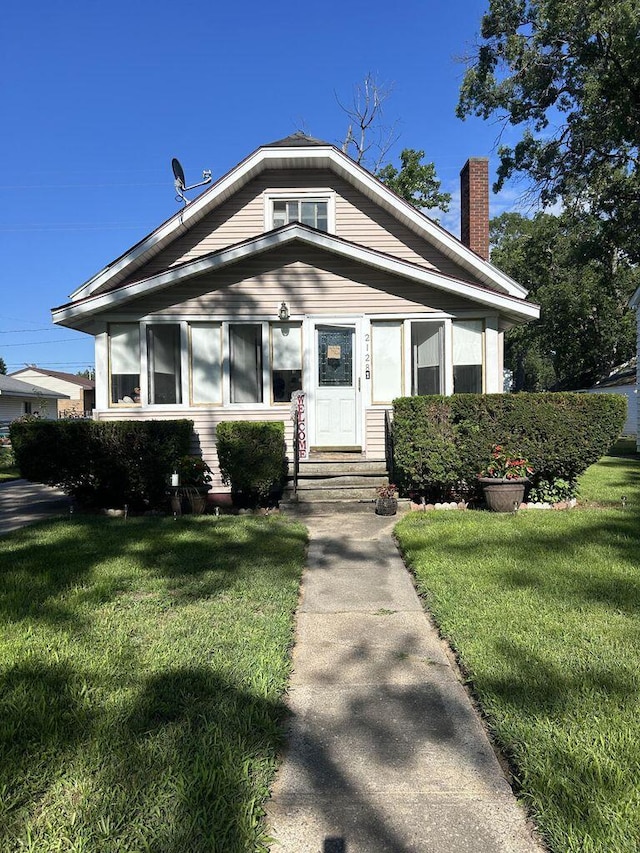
[440, 443]
[102, 463]
[252, 458]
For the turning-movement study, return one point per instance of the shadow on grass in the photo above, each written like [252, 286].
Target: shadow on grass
[96, 747]
[178, 768]
[197, 558]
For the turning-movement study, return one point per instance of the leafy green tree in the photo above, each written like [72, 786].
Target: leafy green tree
[569, 75]
[3, 366]
[416, 182]
[582, 283]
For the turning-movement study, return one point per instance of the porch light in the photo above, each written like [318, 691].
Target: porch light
[283, 313]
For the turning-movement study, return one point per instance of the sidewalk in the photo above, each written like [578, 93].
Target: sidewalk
[385, 752]
[22, 502]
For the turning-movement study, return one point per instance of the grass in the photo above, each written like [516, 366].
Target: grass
[8, 468]
[141, 670]
[543, 610]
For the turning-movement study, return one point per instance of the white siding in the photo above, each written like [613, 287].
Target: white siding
[13, 407]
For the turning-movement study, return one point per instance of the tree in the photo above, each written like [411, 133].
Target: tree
[369, 139]
[569, 74]
[415, 182]
[3, 366]
[582, 283]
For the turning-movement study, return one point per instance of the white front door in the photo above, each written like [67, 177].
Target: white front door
[336, 417]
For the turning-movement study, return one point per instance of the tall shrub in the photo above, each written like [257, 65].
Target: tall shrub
[440, 443]
[102, 463]
[252, 457]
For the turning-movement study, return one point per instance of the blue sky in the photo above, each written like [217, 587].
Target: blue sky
[96, 98]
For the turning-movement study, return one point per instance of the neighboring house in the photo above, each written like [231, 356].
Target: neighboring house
[80, 391]
[622, 380]
[299, 271]
[19, 398]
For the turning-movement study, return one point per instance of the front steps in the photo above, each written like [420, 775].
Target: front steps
[337, 477]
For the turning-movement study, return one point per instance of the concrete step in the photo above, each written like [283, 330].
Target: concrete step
[326, 469]
[352, 493]
[341, 482]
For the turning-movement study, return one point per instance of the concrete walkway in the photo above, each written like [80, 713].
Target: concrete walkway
[386, 753]
[22, 502]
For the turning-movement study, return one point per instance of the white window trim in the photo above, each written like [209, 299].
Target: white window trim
[323, 194]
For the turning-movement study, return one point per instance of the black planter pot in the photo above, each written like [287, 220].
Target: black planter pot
[503, 495]
[386, 506]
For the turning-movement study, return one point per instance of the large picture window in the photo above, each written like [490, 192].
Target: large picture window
[307, 211]
[286, 360]
[467, 356]
[164, 363]
[245, 363]
[386, 366]
[426, 358]
[124, 362]
[206, 363]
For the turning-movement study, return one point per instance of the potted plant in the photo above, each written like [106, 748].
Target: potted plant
[504, 480]
[195, 479]
[386, 502]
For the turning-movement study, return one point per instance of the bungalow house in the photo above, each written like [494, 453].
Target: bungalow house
[80, 391]
[298, 273]
[18, 398]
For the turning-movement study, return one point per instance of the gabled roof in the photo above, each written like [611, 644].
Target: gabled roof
[77, 311]
[302, 152]
[82, 381]
[16, 388]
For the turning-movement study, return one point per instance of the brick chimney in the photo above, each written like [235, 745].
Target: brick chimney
[474, 202]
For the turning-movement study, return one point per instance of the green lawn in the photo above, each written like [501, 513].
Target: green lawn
[543, 610]
[142, 664]
[8, 469]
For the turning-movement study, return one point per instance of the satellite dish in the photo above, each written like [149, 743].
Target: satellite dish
[180, 183]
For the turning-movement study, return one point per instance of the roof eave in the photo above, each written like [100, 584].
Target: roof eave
[318, 156]
[73, 313]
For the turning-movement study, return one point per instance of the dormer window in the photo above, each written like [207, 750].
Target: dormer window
[309, 208]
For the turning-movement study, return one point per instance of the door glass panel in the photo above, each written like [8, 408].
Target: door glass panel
[335, 357]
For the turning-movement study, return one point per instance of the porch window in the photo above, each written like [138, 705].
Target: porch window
[245, 363]
[286, 360]
[124, 362]
[386, 361]
[307, 211]
[426, 358]
[206, 363]
[163, 355]
[467, 356]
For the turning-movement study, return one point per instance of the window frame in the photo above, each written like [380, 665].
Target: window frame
[318, 195]
[142, 348]
[272, 325]
[483, 352]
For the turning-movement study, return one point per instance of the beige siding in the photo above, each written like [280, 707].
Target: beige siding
[374, 433]
[53, 383]
[310, 281]
[358, 219]
[205, 423]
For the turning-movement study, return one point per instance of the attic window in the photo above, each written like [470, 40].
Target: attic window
[309, 211]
